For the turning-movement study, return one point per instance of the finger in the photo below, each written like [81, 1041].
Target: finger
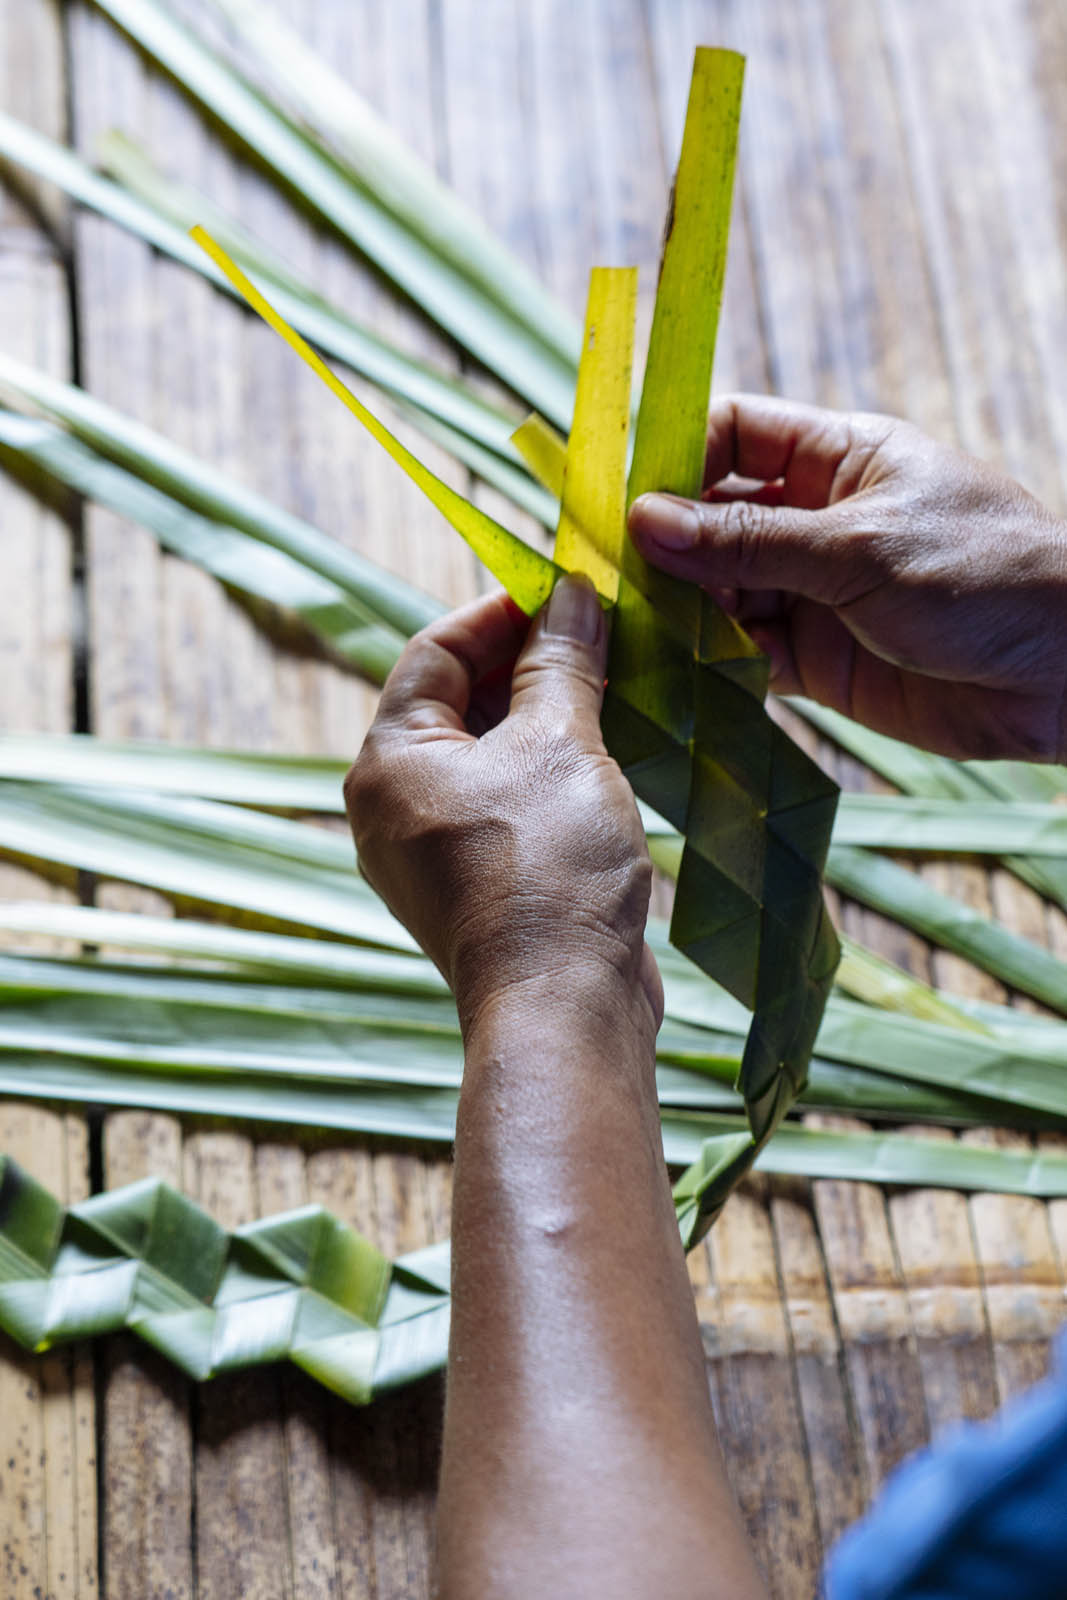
[758, 436]
[763, 494]
[431, 684]
[773, 639]
[812, 652]
[560, 669]
[741, 545]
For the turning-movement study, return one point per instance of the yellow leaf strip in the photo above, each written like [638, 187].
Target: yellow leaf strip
[592, 519]
[543, 450]
[527, 575]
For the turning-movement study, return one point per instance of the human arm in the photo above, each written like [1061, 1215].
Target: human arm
[899, 581]
[579, 1447]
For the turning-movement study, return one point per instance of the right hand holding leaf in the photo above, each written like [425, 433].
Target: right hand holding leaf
[890, 577]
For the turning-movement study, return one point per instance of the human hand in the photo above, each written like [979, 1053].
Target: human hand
[895, 579]
[502, 834]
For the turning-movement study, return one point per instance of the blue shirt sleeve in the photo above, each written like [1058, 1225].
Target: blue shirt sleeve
[981, 1514]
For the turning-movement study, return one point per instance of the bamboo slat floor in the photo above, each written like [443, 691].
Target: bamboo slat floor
[899, 244]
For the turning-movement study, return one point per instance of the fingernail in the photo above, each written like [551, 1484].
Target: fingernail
[574, 610]
[667, 519]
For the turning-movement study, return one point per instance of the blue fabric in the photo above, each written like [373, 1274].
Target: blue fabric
[979, 1515]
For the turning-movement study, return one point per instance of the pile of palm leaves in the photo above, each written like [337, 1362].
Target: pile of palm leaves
[318, 1010]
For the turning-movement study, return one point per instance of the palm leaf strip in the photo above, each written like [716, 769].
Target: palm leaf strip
[329, 110]
[920, 772]
[173, 471]
[946, 921]
[516, 351]
[343, 624]
[290, 871]
[161, 213]
[261, 1033]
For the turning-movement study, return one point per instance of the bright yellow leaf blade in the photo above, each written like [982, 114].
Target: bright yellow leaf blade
[592, 519]
[544, 452]
[527, 575]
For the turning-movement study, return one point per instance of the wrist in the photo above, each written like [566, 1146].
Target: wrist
[578, 1006]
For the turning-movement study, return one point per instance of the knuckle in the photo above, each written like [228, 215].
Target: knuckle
[741, 532]
[875, 440]
[359, 803]
[365, 781]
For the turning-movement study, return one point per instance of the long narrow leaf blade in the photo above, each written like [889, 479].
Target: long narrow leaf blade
[176, 850]
[865, 975]
[527, 575]
[280, 782]
[411, 191]
[920, 772]
[981, 827]
[592, 523]
[508, 348]
[669, 440]
[897, 893]
[342, 623]
[242, 952]
[544, 452]
[690, 731]
[161, 214]
[175, 472]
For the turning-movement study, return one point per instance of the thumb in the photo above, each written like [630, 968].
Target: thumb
[560, 669]
[742, 544]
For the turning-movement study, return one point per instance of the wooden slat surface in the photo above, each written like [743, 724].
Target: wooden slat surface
[48, 1502]
[900, 222]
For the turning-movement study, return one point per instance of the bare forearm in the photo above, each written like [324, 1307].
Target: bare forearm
[578, 1421]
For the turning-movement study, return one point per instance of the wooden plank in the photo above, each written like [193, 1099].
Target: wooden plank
[48, 1465]
[48, 1510]
[833, 1444]
[874, 1319]
[341, 1180]
[281, 1185]
[760, 1423]
[148, 1434]
[932, 1231]
[240, 1466]
[733, 1373]
[951, 105]
[1020, 1273]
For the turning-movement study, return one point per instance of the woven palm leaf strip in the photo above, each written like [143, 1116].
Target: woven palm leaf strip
[300, 1286]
